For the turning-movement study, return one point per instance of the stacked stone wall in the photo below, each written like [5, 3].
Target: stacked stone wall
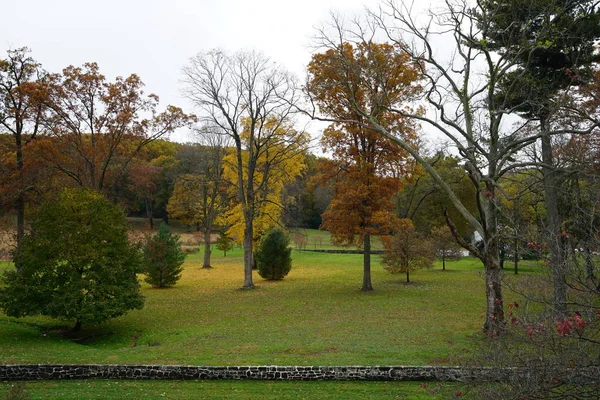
[22, 372]
[289, 373]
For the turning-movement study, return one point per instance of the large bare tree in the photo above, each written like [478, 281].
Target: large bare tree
[250, 99]
[462, 77]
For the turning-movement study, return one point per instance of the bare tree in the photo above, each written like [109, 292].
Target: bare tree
[461, 83]
[249, 99]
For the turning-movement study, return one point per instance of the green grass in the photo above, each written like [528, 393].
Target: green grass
[315, 316]
[78, 390]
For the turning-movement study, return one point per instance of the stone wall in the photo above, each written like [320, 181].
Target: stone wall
[342, 251]
[299, 373]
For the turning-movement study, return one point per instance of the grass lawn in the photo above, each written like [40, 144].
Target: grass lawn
[78, 390]
[315, 316]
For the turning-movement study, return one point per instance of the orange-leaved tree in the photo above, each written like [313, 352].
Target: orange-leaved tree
[407, 250]
[98, 127]
[20, 112]
[366, 167]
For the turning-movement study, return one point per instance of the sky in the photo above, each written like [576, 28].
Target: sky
[155, 39]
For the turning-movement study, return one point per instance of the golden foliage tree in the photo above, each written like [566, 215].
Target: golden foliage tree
[366, 166]
[250, 100]
[200, 199]
[278, 161]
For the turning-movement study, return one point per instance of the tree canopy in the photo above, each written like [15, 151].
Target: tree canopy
[366, 167]
[77, 263]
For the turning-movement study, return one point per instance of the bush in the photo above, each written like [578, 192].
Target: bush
[163, 258]
[273, 257]
[76, 263]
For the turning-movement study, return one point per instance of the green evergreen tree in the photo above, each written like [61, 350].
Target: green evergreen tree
[76, 263]
[163, 258]
[273, 256]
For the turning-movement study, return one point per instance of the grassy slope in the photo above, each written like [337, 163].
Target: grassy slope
[316, 316]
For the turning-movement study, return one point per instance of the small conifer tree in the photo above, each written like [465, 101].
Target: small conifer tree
[163, 258]
[273, 256]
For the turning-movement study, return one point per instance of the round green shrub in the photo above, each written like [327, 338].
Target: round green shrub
[273, 256]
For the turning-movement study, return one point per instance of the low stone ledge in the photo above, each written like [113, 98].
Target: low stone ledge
[289, 373]
[22, 372]
[342, 251]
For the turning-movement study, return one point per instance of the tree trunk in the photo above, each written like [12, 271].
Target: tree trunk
[589, 262]
[367, 285]
[443, 260]
[149, 213]
[20, 227]
[516, 256]
[494, 316]
[77, 326]
[407, 276]
[557, 257]
[248, 256]
[206, 263]
[21, 199]
[494, 321]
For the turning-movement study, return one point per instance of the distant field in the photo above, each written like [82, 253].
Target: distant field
[315, 316]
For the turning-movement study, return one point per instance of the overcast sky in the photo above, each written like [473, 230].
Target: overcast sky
[155, 39]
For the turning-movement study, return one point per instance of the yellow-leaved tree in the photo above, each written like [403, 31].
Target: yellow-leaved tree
[278, 157]
[249, 99]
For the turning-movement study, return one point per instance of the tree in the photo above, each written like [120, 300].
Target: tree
[140, 187]
[407, 250]
[367, 166]
[444, 244]
[304, 200]
[98, 127]
[273, 256]
[522, 212]
[249, 99]
[163, 258]
[224, 243]
[201, 198]
[77, 263]
[423, 202]
[278, 164]
[553, 45]
[461, 86]
[20, 113]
